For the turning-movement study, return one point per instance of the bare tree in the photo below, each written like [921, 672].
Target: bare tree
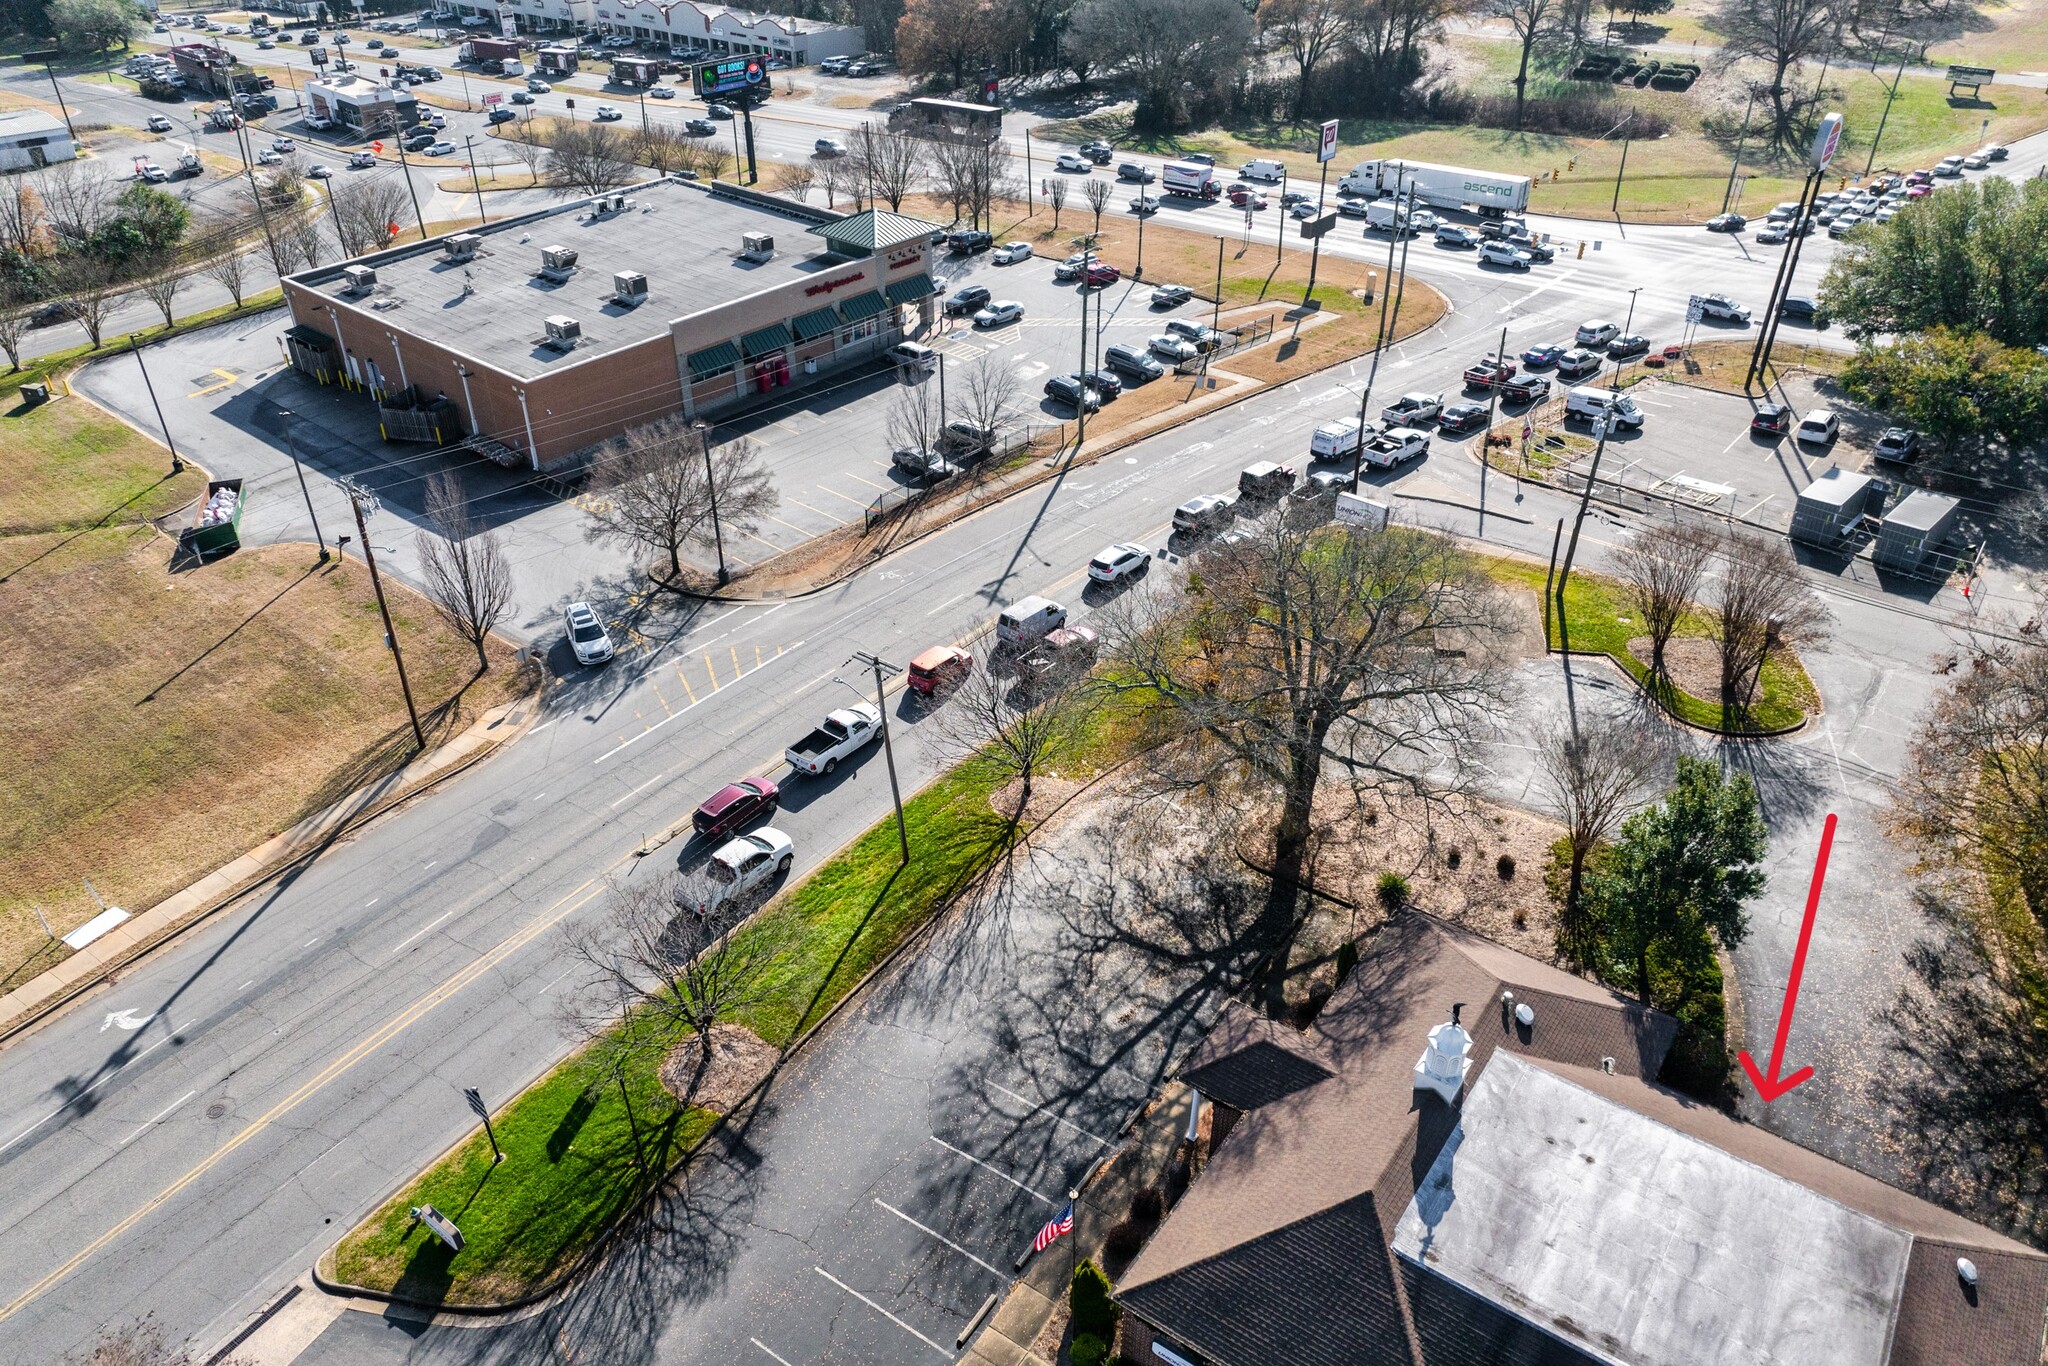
[1301, 650]
[914, 421]
[663, 147]
[300, 236]
[836, 177]
[707, 160]
[890, 164]
[525, 145]
[1532, 22]
[22, 219]
[364, 213]
[970, 176]
[91, 294]
[589, 159]
[1056, 195]
[1096, 192]
[1782, 34]
[15, 315]
[469, 580]
[793, 178]
[1018, 726]
[1762, 608]
[1597, 771]
[230, 270]
[1662, 566]
[77, 201]
[679, 974]
[661, 490]
[163, 279]
[1170, 49]
[988, 397]
[1312, 30]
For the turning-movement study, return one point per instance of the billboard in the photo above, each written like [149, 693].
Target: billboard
[1327, 148]
[1827, 139]
[731, 76]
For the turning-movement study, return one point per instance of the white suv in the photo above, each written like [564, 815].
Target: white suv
[587, 636]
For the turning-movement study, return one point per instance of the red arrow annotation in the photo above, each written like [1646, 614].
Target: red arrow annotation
[1769, 1086]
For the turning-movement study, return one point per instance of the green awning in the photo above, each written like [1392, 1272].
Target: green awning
[814, 325]
[863, 306]
[918, 286]
[713, 359]
[766, 342]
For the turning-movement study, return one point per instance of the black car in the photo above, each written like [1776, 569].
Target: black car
[1524, 389]
[1103, 382]
[1098, 152]
[970, 243]
[419, 142]
[1899, 445]
[1462, 417]
[968, 299]
[1801, 309]
[699, 128]
[1628, 344]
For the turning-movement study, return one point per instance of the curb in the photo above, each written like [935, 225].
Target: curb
[301, 844]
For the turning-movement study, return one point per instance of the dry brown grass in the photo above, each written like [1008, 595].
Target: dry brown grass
[1721, 365]
[161, 723]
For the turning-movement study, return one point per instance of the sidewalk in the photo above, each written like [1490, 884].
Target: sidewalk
[1040, 1294]
[49, 991]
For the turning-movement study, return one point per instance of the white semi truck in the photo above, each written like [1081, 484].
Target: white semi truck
[1190, 178]
[1443, 187]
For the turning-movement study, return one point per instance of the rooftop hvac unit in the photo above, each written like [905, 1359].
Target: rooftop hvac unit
[611, 203]
[463, 246]
[757, 246]
[557, 263]
[360, 278]
[564, 333]
[629, 287]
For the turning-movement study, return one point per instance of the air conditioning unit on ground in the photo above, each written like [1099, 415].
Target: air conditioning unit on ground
[629, 288]
[361, 279]
[564, 332]
[462, 246]
[757, 246]
[557, 263]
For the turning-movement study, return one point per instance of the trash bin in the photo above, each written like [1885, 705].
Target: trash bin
[218, 525]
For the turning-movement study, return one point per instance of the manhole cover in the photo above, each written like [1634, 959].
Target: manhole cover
[217, 1109]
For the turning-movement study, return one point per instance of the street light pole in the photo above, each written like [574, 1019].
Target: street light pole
[711, 487]
[1585, 501]
[885, 670]
[1740, 143]
[1380, 342]
[1630, 124]
[177, 461]
[293, 447]
[1889, 96]
[357, 497]
[469, 146]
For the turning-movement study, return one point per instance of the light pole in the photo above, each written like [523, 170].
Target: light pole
[1585, 500]
[1630, 124]
[177, 461]
[884, 670]
[1628, 323]
[292, 446]
[358, 497]
[1379, 347]
[1280, 228]
[47, 58]
[1889, 96]
[1740, 143]
[469, 146]
[711, 487]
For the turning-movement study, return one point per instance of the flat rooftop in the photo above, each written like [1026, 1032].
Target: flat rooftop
[684, 239]
[1642, 1245]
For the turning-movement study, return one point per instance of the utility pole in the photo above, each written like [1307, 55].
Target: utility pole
[405, 169]
[1585, 500]
[1081, 398]
[47, 58]
[1280, 219]
[1740, 143]
[1380, 343]
[711, 487]
[469, 146]
[358, 498]
[177, 461]
[1889, 96]
[885, 670]
[1486, 435]
[292, 446]
[1630, 124]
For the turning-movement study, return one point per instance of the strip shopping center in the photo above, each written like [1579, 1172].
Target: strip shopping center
[548, 333]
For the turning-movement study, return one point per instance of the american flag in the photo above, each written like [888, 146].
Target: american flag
[1057, 1227]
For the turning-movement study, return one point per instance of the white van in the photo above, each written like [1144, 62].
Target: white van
[1334, 441]
[1027, 621]
[1593, 403]
[913, 356]
[1263, 168]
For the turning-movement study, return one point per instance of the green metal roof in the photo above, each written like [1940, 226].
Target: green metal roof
[873, 230]
[813, 325]
[918, 286]
[713, 359]
[862, 306]
[765, 342]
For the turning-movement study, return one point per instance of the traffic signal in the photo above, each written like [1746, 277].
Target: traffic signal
[1572, 165]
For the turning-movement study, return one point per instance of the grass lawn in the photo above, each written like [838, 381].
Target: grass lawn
[570, 1161]
[57, 362]
[1721, 365]
[1598, 621]
[161, 722]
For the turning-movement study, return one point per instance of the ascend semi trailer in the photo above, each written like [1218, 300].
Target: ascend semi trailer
[1441, 187]
[1190, 178]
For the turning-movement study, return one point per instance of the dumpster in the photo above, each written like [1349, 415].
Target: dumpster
[218, 526]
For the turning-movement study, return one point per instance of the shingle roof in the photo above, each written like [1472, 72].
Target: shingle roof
[872, 230]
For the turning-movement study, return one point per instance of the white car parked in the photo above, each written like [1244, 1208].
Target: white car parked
[1000, 312]
[737, 869]
[1009, 253]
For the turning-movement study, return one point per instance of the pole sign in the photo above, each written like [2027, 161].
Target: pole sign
[730, 76]
[440, 1224]
[1353, 510]
[1827, 140]
[1327, 149]
[1317, 227]
[492, 101]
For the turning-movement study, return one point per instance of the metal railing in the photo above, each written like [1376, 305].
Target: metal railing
[983, 468]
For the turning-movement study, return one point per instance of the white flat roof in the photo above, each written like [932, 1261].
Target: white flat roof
[1643, 1246]
[16, 123]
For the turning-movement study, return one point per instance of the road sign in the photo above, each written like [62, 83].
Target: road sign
[442, 1226]
[713, 79]
[1316, 227]
[1827, 139]
[1327, 149]
[493, 100]
[1695, 309]
[376, 146]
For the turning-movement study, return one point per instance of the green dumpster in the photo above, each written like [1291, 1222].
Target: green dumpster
[218, 526]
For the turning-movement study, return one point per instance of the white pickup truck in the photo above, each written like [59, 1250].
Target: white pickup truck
[1410, 409]
[1396, 446]
[843, 733]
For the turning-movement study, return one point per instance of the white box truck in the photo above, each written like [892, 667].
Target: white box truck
[1190, 178]
[1443, 187]
[1385, 214]
[1264, 168]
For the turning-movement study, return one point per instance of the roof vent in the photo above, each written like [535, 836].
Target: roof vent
[1525, 1015]
[1607, 1066]
[629, 288]
[557, 263]
[462, 246]
[1446, 1060]
[361, 279]
[757, 246]
[564, 332]
[1966, 1271]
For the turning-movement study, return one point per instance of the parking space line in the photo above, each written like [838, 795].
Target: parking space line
[879, 488]
[680, 678]
[883, 1312]
[666, 708]
[808, 508]
[773, 1354]
[837, 494]
[797, 529]
[932, 1232]
[1032, 1105]
[713, 672]
[994, 1171]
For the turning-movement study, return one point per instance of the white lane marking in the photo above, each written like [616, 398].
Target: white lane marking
[126, 1019]
[684, 711]
[944, 605]
[371, 902]
[556, 978]
[311, 942]
[537, 796]
[883, 1312]
[769, 1350]
[642, 788]
[423, 929]
[1030, 1104]
[246, 985]
[141, 1128]
[691, 636]
[997, 1171]
[87, 1091]
[932, 1232]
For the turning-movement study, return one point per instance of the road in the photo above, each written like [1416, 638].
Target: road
[188, 1139]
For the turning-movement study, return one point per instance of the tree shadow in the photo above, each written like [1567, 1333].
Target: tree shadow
[105, 520]
[236, 630]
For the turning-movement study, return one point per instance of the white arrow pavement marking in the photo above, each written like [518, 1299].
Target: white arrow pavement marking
[127, 1019]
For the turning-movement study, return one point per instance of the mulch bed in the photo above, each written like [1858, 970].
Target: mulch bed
[740, 1060]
